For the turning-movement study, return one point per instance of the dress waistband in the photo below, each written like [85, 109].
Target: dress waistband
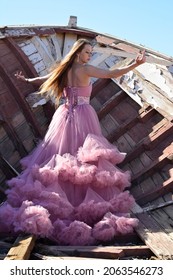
[73, 100]
[77, 100]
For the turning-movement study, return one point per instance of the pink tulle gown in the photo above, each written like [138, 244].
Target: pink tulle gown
[71, 190]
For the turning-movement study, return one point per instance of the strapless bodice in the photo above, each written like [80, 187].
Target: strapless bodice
[80, 91]
[77, 95]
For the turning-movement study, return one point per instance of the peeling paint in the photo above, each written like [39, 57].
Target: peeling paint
[153, 74]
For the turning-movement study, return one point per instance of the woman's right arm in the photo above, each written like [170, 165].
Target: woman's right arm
[96, 72]
[35, 81]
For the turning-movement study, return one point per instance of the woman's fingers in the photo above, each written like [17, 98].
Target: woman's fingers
[141, 58]
[19, 75]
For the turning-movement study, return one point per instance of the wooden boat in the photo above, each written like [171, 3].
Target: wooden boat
[135, 113]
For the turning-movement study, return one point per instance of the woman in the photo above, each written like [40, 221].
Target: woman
[71, 190]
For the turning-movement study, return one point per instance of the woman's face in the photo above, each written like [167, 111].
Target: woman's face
[85, 54]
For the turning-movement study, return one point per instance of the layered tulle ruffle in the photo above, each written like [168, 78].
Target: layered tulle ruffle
[75, 199]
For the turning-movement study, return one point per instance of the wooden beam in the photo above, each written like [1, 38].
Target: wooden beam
[82, 251]
[57, 258]
[79, 32]
[150, 169]
[150, 141]
[21, 102]
[110, 104]
[104, 252]
[21, 57]
[144, 115]
[161, 190]
[155, 207]
[134, 153]
[21, 248]
[13, 136]
[118, 132]
[30, 31]
[99, 85]
[155, 137]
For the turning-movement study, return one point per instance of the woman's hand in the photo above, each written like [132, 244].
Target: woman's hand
[141, 58]
[19, 75]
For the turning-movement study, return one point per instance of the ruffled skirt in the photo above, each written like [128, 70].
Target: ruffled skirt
[71, 190]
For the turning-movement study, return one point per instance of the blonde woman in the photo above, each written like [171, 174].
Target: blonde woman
[71, 190]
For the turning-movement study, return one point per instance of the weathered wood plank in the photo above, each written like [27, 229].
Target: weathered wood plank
[109, 123]
[136, 165]
[163, 189]
[45, 257]
[99, 59]
[21, 248]
[42, 48]
[57, 47]
[150, 169]
[157, 98]
[106, 252]
[82, 251]
[164, 220]
[154, 236]
[69, 40]
[147, 185]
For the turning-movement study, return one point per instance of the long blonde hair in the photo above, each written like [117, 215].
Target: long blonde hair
[58, 78]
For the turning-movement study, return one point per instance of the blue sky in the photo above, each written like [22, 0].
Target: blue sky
[145, 22]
